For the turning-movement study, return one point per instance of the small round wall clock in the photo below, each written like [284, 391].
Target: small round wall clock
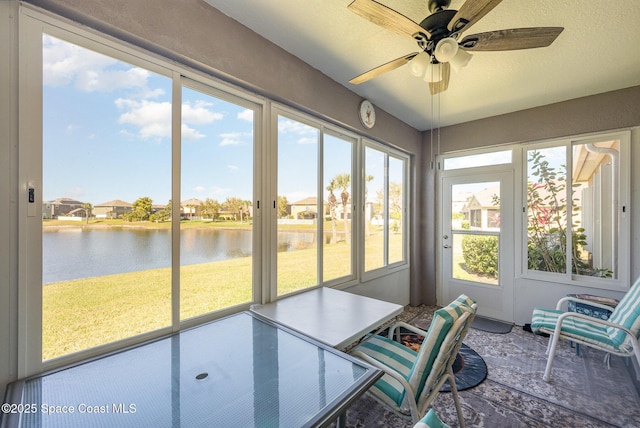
[367, 114]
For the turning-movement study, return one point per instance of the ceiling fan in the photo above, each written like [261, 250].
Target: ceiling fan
[437, 37]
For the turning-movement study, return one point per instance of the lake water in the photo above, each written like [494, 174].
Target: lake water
[74, 253]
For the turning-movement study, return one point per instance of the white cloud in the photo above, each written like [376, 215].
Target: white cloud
[152, 118]
[306, 134]
[67, 64]
[199, 113]
[199, 189]
[231, 139]
[190, 134]
[246, 115]
[233, 168]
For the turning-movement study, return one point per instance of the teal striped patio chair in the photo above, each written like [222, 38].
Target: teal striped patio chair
[412, 379]
[618, 335]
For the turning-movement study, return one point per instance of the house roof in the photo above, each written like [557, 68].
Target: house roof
[192, 201]
[114, 203]
[65, 201]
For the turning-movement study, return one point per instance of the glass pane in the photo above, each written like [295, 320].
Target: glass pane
[216, 223]
[106, 180]
[396, 209]
[482, 159]
[475, 206]
[547, 209]
[595, 178]
[374, 216]
[297, 206]
[338, 204]
[475, 258]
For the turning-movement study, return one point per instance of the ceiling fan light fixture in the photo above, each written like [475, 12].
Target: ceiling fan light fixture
[446, 49]
[433, 73]
[419, 63]
[461, 59]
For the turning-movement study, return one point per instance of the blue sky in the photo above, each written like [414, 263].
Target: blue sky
[107, 135]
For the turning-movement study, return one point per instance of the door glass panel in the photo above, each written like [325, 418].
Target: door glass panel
[298, 206]
[216, 210]
[338, 229]
[475, 229]
[106, 176]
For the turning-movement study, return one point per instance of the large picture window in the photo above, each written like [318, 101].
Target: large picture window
[574, 208]
[148, 183]
[216, 207]
[384, 210]
[106, 156]
[315, 205]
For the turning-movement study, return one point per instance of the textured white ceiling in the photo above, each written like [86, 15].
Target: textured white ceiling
[598, 51]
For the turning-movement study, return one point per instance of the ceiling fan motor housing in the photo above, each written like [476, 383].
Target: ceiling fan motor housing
[436, 26]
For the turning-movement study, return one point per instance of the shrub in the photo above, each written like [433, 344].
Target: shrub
[480, 255]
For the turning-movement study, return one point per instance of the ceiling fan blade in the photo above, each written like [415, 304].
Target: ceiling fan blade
[441, 86]
[384, 68]
[470, 13]
[386, 17]
[515, 38]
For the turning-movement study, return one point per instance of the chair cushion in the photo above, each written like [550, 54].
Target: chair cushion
[440, 325]
[430, 420]
[626, 314]
[544, 321]
[394, 355]
[414, 367]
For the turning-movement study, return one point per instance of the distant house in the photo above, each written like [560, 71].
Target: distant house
[112, 209]
[482, 209]
[191, 208]
[59, 207]
[306, 209]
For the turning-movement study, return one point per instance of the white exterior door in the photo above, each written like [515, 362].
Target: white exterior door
[477, 241]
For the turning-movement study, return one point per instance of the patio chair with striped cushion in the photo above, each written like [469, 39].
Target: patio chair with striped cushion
[412, 379]
[618, 335]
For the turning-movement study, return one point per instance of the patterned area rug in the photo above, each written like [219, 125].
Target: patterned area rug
[584, 393]
[469, 367]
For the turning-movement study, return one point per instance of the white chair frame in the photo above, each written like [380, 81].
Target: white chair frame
[556, 335]
[419, 408]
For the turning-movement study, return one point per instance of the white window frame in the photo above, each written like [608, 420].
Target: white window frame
[622, 282]
[387, 267]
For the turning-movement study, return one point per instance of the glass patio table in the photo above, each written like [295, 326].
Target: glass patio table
[239, 371]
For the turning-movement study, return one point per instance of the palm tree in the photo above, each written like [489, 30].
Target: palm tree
[343, 181]
[87, 207]
[367, 219]
[332, 209]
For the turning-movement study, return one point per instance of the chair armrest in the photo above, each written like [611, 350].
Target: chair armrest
[406, 326]
[586, 302]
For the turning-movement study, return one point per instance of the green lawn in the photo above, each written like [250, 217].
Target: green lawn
[88, 312]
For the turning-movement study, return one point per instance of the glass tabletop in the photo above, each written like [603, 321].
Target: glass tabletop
[240, 371]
